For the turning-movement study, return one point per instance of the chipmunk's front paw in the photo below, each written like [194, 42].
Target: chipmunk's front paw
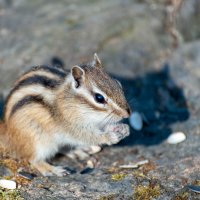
[117, 133]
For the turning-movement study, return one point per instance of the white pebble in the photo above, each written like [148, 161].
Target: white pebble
[130, 166]
[136, 121]
[8, 184]
[176, 138]
[134, 165]
[142, 162]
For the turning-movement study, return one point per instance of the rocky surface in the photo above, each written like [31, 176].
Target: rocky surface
[153, 48]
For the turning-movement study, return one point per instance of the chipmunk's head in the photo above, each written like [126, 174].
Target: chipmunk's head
[101, 97]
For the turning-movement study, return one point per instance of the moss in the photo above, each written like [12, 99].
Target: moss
[196, 182]
[182, 196]
[108, 197]
[146, 192]
[10, 195]
[118, 177]
[139, 174]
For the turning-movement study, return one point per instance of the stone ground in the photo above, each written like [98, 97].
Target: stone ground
[153, 47]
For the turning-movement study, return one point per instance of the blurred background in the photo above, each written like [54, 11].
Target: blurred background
[130, 36]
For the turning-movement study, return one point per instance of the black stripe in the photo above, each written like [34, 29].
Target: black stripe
[36, 79]
[28, 100]
[52, 70]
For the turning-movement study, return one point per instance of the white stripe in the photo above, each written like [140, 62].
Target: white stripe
[40, 73]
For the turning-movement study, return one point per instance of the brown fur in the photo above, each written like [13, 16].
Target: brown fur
[2, 135]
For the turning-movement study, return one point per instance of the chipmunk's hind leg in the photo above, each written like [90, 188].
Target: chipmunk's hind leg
[49, 170]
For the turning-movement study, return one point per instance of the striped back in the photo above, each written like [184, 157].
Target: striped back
[35, 86]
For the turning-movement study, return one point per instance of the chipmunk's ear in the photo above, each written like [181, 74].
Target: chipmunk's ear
[96, 62]
[78, 75]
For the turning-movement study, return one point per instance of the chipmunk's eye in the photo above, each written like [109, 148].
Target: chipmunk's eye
[99, 98]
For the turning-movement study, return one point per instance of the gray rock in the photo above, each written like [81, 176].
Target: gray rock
[4, 171]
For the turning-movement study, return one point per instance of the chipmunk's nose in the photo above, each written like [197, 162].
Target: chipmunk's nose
[129, 111]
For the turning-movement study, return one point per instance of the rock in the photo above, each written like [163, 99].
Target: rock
[8, 184]
[26, 175]
[87, 170]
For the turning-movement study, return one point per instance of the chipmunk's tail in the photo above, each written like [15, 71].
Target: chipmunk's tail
[2, 135]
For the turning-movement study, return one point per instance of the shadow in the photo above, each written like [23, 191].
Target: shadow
[161, 103]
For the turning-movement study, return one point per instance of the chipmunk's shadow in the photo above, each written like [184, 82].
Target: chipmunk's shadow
[161, 103]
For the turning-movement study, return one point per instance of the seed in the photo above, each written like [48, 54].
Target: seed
[176, 138]
[136, 121]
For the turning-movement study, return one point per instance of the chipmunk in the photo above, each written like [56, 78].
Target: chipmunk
[49, 108]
